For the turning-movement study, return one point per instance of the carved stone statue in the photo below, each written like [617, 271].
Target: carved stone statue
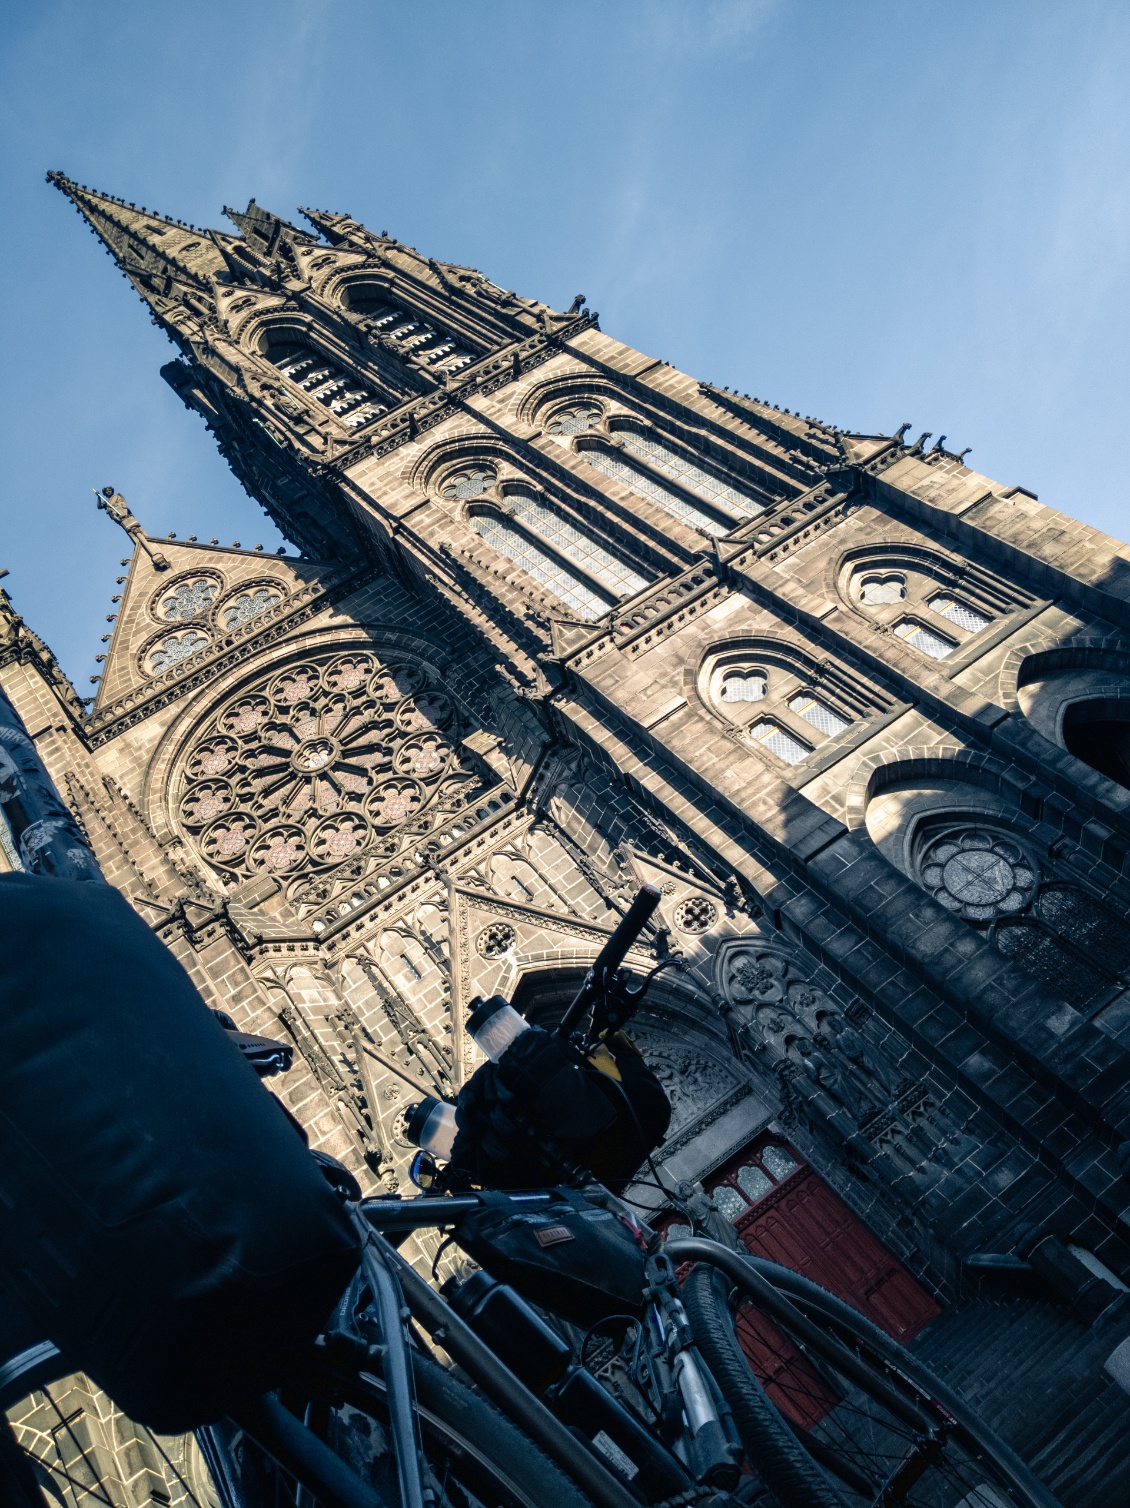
[844, 1038]
[826, 1074]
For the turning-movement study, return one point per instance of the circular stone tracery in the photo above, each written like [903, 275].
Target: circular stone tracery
[318, 764]
[978, 874]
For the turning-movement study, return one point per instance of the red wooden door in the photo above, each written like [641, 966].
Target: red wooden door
[781, 1209]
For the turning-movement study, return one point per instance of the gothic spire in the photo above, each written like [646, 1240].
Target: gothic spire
[172, 266]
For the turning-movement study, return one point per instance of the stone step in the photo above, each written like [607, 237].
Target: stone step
[1036, 1376]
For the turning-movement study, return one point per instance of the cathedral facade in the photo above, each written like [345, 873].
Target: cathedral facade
[560, 620]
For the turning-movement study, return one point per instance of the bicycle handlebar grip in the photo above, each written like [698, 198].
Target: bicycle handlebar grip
[615, 950]
[612, 955]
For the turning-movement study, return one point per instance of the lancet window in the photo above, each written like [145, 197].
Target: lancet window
[614, 466]
[328, 384]
[504, 537]
[663, 458]
[646, 464]
[595, 561]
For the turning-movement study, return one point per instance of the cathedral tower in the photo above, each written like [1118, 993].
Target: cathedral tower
[564, 619]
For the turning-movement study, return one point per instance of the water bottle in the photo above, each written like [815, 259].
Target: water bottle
[494, 1024]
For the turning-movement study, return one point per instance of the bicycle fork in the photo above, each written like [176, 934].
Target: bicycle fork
[681, 1373]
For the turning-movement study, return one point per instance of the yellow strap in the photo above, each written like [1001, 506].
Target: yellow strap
[602, 1060]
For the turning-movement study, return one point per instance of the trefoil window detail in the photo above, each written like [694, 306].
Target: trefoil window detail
[574, 420]
[744, 686]
[470, 482]
[877, 591]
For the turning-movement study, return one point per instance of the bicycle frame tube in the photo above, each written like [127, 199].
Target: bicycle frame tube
[397, 1368]
[775, 1304]
[499, 1383]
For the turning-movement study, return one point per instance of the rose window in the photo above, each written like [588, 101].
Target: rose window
[696, 914]
[174, 649]
[188, 599]
[979, 874]
[320, 764]
[249, 605]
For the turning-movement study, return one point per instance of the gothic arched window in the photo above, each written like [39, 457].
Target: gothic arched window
[673, 464]
[530, 509]
[937, 623]
[326, 382]
[1050, 927]
[612, 465]
[792, 719]
[542, 567]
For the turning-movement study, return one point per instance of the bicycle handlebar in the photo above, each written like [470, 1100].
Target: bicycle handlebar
[610, 957]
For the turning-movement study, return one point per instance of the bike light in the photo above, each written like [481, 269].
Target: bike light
[430, 1125]
[494, 1024]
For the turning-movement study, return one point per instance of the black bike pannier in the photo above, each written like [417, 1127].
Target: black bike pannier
[574, 1258]
[160, 1220]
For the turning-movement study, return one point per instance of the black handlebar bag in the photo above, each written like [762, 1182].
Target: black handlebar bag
[160, 1220]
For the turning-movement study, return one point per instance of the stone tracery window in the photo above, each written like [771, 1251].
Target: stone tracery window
[327, 761]
[174, 649]
[188, 599]
[576, 419]
[468, 482]
[248, 605]
[876, 591]
[881, 591]
[1051, 928]
[795, 713]
[744, 686]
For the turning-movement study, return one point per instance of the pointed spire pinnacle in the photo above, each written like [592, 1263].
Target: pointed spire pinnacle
[115, 505]
[147, 247]
[335, 228]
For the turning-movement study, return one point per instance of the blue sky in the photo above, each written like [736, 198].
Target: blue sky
[870, 212]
